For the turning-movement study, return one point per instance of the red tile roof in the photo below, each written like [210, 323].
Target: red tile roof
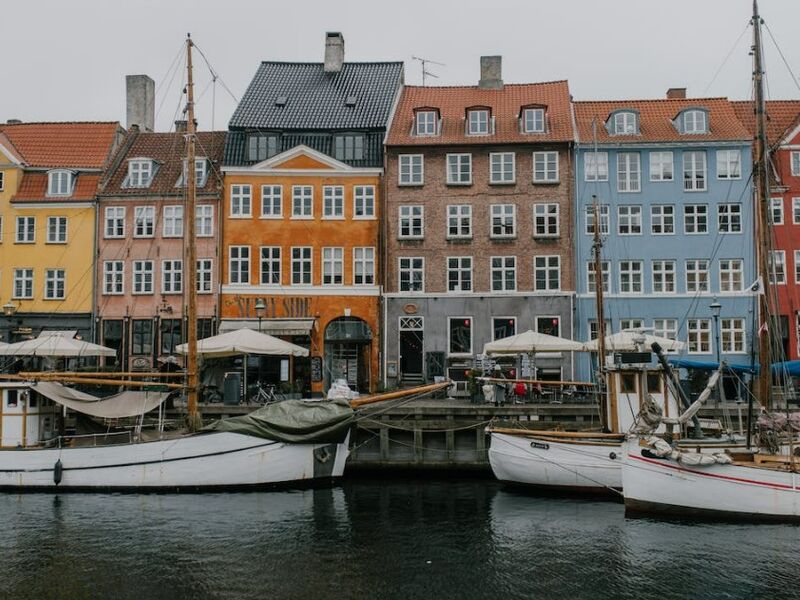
[33, 188]
[656, 117]
[505, 104]
[69, 145]
[782, 116]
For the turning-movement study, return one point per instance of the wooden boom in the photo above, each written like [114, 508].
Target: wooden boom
[425, 389]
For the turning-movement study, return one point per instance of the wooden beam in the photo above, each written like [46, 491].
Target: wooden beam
[98, 381]
[558, 434]
[425, 389]
[58, 374]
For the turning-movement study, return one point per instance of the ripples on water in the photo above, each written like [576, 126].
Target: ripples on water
[378, 539]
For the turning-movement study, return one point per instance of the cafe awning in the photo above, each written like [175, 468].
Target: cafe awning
[270, 326]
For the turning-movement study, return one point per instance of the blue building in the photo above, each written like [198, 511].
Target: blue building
[672, 181]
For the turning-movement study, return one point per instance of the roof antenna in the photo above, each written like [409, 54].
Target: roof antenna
[425, 72]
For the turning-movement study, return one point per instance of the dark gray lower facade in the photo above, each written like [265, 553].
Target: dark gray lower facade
[23, 326]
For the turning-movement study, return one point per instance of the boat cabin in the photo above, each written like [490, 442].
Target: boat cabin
[629, 385]
[26, 417]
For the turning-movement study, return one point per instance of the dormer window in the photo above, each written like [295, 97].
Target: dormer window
[694, 121]
[200, 173]
[426, 122]
[140, 173]
[478, 121]
[260, 146]
[60, 183]
[532, 120]
[625, 123]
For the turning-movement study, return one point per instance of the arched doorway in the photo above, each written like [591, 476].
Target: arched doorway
[348, 341]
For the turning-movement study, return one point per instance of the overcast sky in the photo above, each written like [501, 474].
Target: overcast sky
[66, 59]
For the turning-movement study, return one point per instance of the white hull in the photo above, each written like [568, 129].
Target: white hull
[197, 462]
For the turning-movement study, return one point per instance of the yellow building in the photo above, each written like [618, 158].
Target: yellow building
[49, 174]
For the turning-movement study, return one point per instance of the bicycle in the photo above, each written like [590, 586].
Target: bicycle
[265, 394]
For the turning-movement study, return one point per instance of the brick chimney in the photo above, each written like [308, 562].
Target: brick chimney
[13, 122]
[140, 100]
[334, 52]
[676, 93]
[491, 73]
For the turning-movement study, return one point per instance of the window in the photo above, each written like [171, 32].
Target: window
[729, 218]
[776, 210]
[459, 335]
[661, 166]
[694, 121]
[144, 221]
[795, 163]
[302, 202]
[778, 267]
[26, 230]
[666, 328]
[629, 220]
[797, 266]
[663, 276]
[2, 181]
[412, 274]
[411, 171]
[533, 120]
[364, 266]
[204, 220]
[699, 336]
[595, 166]
[548, 325]
[112, 338]
[59, 183]
[301, 266]
[504, 220]
[545, 167]
[173, 222]
[115, 222]
[631, 324]
[143, 277]
[478, 122]
[503, 327]
[271, 201]
[241, 200]
[260, 147]
[200, 173]
[459, 221]
[425, 122]
[504, 273]
[694, 171]
[695, 219]
[171, 276]
[349, 147]
[364, 202]
[56, 230]
[546, 273]
[239, 264]
[23, 283]
[593, 323]
[628, 172]
[205, 328]
[113, 277]
[630, 277]
[140, 173]
[604, 219]
[501, 167]
[459, 274]
[729, 164]
[545, 220]
[732, 336]
[332, 266]
[662, 219]
[796, 211]
[591, 278]
[459, 169]
[171, 335]
[333, 202]
[1, 226]
[696, 275]
[412, 222]
[731, 275]
[205, 276]
[142, 337]
[270, 265]
[625, 123]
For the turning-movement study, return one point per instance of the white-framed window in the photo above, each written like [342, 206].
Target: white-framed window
[797, 266]
[411, 273]
[776, 211]
[631, 324]
[593, 327]
[629, 219]
[364, 266]
[662, 167]
[503, 327]
[591, 279]
[459, 335]
[662, 219]
[113, 277]
[796, 211]
[595, 166]
[533, 120]
[604, 219]
[426, 122]
[23, 284]
[239, 265]
[140, 173]
[364, 202]
[729, 217]
[502, 167]
[731, 274]
[547, 273]
[664, 277]
[778, 267]
[695, 219]
[333, 202]
[459, 274]
[545, 167]
[411, 169]
[694, 171]
[301, 265]
[172, 276]
[271, 201]
[630, 277]
[504, 220]
[56, 230]
[696, 275]
[478, 122]
[459, 221]
[332, 266]
[729, 164]
[114, 222]
[55, 283]
[204, 220]
[625, 123]
[694, 121]
[144, 221]
[795, 160]
[666, 328]
[732, 335]
[200, 173]
[411, 221]
[270, 265]
[2, 180]
[205, 275]
[302, 202]
[629, 172]
[459, 169]
[241, 200]
[172, 227]
[26, 230]
[545, 220]
[504, 273]
[548, 324]
[699, 336]
[142, 277]
[60, 183]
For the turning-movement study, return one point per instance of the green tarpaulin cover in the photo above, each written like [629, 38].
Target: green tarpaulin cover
[294, 421]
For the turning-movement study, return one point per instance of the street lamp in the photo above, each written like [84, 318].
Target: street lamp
[261, 308]
[716, 308]
[9, 309]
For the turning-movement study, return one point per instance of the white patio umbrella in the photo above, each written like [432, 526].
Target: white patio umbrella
[632, 340]
[55, 345]
[529, 342]
[243, 341]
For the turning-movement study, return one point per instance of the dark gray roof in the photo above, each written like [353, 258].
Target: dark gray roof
[318, 100]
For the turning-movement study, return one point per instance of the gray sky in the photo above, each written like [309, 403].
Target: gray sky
[66, 59]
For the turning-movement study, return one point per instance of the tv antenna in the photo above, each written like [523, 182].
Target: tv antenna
[425, 62]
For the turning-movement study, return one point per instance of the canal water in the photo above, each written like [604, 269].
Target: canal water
[379, 538]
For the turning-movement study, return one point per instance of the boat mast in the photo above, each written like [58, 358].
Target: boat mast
[597, 249]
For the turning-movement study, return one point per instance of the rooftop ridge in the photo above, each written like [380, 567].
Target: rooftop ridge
[58, 123]
[654, 100]
[320, 64]
[476, 87]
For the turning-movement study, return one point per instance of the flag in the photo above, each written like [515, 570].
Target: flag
[757, 287]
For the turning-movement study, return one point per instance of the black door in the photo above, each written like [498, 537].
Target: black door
[411, 352]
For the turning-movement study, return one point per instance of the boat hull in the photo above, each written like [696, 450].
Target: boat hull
[204, 462]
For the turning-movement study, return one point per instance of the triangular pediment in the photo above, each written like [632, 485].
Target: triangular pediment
[301, 158]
